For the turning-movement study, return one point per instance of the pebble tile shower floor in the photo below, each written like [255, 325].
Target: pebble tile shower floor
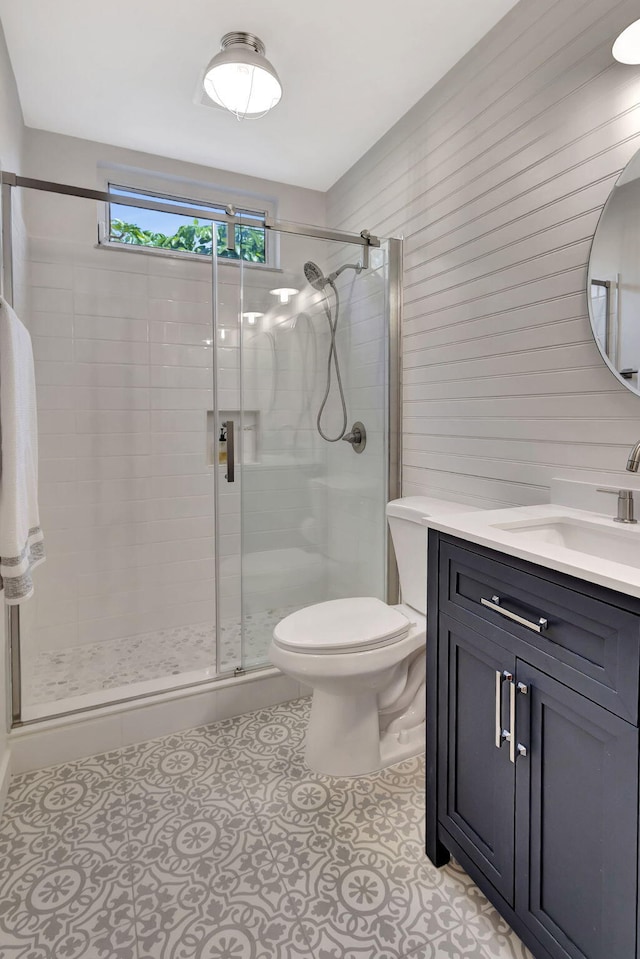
[219, 843]
[52, 675]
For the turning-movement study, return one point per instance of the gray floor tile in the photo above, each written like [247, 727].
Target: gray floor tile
[458, 943]
[302, 798]
[65, 884]
[376, 894]
[178, 761]
[73, 895]
[234, 912]
[220, 843]
[496, 937]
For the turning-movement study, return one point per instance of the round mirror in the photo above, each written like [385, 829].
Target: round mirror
[613, 283]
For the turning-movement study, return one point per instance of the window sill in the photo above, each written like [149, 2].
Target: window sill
[183, 255]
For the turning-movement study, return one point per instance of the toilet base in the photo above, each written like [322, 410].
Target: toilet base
[394, 747]
[343, 736]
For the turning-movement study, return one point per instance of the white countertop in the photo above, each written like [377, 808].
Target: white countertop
[480, 528]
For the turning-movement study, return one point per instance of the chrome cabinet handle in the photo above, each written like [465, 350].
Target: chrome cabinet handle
[520, 749]
[231, 461]
[512, 722]
[515, 748]
[502, 676]
[494, 604]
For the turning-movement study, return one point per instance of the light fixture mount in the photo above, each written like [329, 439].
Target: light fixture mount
[239, 38]
[240, 78]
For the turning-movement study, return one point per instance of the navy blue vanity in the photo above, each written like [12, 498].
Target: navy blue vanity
[532, 749]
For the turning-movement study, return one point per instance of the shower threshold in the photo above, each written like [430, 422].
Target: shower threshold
[85, 675]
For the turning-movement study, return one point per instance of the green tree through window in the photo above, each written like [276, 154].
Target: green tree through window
[195, 238]
[135, 226]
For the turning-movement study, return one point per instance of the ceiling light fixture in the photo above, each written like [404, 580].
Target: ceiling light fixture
[252, 317]
[241, 79]
[284, 293]
[626, 49]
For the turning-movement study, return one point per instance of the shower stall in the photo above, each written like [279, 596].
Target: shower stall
[200, 477]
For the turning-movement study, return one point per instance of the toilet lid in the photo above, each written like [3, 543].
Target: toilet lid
[341, 625]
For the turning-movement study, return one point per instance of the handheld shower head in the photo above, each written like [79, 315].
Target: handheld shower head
[318, 281]
[316, 278]
[314, 275]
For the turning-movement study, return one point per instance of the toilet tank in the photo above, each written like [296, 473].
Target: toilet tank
[409, 533]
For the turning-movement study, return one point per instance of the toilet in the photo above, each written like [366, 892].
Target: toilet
[365, 660]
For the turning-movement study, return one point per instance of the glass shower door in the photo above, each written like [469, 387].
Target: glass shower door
[311, 508]
[124, 605]
[165, 566]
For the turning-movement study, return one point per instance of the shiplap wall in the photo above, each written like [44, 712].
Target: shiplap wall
[496, 180]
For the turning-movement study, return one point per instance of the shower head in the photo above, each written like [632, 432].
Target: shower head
[316, 278]
[314, 275]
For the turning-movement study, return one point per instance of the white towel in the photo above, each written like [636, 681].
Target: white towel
[21, 546]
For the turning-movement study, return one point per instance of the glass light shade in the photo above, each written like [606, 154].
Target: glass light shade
[626, 49]
[243, 82]
[284, 293]
[252, 317]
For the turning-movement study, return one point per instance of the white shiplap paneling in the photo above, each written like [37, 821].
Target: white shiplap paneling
[496, 179]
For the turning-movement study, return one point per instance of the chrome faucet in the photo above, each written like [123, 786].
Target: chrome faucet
[625, 496]
[633, 463]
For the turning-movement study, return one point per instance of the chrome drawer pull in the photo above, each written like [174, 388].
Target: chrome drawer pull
[494, 604]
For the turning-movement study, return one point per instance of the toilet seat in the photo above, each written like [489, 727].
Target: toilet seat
[342, 626]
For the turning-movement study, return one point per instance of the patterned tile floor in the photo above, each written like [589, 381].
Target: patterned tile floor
[219, 843]
[92, 667]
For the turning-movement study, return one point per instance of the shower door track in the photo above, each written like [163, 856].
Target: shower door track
[212, 681]
[394, 411]
[364, 239]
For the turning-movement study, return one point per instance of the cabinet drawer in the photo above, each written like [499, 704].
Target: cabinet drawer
[589, 644]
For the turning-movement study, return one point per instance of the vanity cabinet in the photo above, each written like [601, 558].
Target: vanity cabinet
[532, 753]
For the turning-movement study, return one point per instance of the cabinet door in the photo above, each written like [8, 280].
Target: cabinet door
[576, 822]
[476, 781]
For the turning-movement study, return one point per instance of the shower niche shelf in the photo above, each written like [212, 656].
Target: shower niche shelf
[246, 436]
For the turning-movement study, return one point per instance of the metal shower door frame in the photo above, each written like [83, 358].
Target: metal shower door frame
[365, 240]
[13, 670]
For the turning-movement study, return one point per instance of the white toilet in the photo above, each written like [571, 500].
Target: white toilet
[365, 661]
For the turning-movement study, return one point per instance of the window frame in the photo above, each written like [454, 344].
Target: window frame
[208, 205]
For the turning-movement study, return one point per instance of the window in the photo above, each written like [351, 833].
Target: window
[177, 233]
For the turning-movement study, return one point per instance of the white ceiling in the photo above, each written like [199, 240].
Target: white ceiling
[126, 72]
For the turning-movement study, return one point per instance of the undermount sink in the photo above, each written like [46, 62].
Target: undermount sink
[618, 545]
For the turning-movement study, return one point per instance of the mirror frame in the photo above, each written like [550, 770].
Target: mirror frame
[591, 281]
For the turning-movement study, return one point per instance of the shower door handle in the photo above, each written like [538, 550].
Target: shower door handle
[231, 462]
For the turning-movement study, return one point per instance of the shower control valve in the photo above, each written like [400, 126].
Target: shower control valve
[357, 437]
